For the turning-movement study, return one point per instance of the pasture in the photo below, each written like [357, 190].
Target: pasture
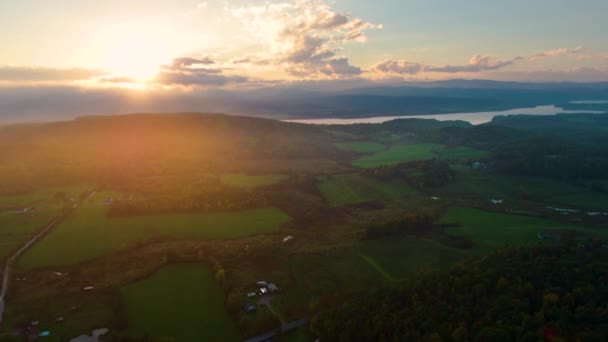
[491, 231]
[179, 302]
[400, 153]
[486, 186]
[353, 188]
[89, 233]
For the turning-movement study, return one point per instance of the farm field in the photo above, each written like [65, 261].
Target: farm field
[251, 181]
[485, 187]
[15, 228]
[409, 152]
[362, 146]
[398, 258]
[43, 197]
[89, 233]
[353, 188]
[490, 231]
[180, 302]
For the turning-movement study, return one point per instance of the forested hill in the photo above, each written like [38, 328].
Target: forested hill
[551, 294]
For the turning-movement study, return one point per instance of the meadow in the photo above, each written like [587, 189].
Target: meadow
[400, 153]
[486, 186]
[353, 188]
[180, 302]
[490, 231]
[89, 232]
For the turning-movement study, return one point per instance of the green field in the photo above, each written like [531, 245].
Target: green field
[400, 153]
[181, 302]
[458, 153]
[89, 233]
[43, 197]
[486, 186]
[353, 188]
[408, 152]
[490, 231]
[362, 146]
[251, 181]
[400, 257]
[16, 229]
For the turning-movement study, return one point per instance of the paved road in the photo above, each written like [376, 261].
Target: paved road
[13, 258]
[283, 329]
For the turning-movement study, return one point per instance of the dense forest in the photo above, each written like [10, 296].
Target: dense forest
[550, 294]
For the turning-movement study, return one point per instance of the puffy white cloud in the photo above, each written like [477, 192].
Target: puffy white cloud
[305, 36]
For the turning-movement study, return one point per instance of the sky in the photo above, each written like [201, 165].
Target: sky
[186, 45]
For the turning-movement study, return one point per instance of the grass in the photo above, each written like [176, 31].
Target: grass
[491, 231]
[41, 197]
[462, 153]
[353, 188]
[15, 229]
[486, 186]
[89, 233]
[400, 153]
[361, 146]
[181, 302]
[400, 257]
[409, 152]
[251, 182]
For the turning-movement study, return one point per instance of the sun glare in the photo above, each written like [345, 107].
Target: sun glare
[133, 48]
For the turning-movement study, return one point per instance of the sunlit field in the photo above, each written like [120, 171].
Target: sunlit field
[90, 233]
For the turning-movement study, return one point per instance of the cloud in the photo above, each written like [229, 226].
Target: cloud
[117, 79]
[44, 74]
[399, 67]
[477, 63]
[198, 79]
[304, 37]
[185, 62]
[186, 71]
[576, 52]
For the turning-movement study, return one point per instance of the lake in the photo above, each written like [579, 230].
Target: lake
[474, 118]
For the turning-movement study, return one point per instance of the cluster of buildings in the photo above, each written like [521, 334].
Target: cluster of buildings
[265, 290]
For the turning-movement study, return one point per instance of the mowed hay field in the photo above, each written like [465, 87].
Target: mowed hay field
[180, 302]
[490, 231]
[89, 233]
[353, 188]
[251, 181]
[409, 152]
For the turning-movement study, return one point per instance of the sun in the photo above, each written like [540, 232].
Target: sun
[134, 48]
